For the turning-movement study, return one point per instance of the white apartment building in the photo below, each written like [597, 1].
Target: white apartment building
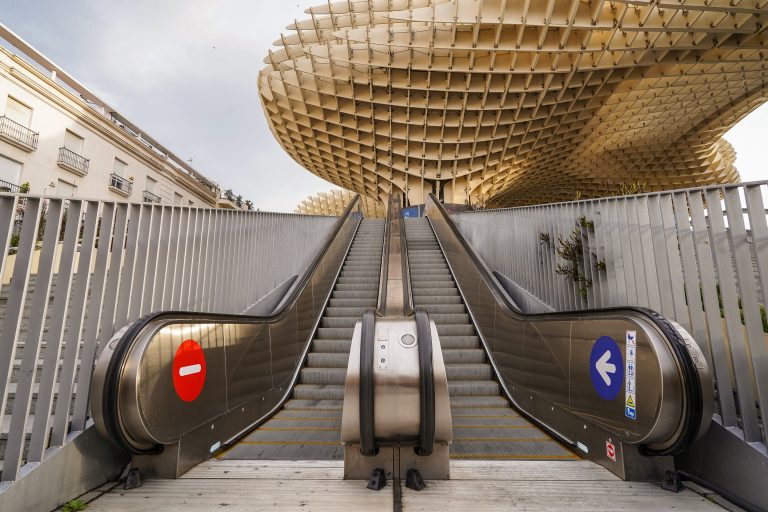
[61, 140]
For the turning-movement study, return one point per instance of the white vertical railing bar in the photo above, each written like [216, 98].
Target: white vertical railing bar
[55, 338]
[75, 271]
[17, 432]
[93, 322]
[698, 256]
[74, 324]
[17, 294]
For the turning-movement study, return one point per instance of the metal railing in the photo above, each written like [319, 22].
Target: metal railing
[71, 161]
[7, 186]
[698, 256]
[150, 197]
[85, 269]
[18, 133]
[120, 183]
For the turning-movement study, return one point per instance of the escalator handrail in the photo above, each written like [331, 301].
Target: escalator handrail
[691, 384]
[426, 385]
[406, 270]
[128, 339]
[384, 272]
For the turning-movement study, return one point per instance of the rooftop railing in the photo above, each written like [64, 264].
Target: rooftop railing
[18, 134]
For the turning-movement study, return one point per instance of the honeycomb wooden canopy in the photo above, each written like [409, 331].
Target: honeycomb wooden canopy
[334, 202]
[517, 101]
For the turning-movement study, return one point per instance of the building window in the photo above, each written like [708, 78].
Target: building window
[119, 167]
[65, 189]
[117, 180]
[71, 154]
[73, 142]
[14, 125]
[18, 112]
[149, 193]
[177, 199]
[10, 172]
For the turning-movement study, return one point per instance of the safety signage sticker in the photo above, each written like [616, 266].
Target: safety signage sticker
[189, 370]
[606, 368]
[630, 405]
[610, 449]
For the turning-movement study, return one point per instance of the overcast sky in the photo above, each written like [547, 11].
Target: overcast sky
[186, 72]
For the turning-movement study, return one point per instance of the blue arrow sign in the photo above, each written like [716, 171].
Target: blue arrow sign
[606, 368]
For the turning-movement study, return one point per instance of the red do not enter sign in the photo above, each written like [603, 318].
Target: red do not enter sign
[189, 370]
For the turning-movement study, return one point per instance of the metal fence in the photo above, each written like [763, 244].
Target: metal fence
[698, 256]
[80, 270]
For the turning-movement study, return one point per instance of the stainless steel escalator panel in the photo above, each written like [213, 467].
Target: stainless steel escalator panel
[250, 364]
[547, 357]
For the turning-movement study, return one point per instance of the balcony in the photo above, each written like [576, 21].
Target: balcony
[120, 185]
[18, 134]
[73, 162]
[9, 188]
[149, 197]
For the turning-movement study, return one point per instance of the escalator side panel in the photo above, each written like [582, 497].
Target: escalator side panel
[552, 381]
[134, 399]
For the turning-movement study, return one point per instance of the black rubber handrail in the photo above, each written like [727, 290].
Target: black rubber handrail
[367, 393]
[406, 270]
[384, 273]
[691, 383]
[426, 385]
[126, 342]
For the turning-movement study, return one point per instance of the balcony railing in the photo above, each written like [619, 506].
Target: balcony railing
[73, 162]
[120, 184]
[18, 134]
[6, 186]
[149, 197]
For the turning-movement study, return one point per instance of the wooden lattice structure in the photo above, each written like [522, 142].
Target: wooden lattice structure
[334, 202]
[517, 101]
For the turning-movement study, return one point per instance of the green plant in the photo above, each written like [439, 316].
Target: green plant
[74, 506]
[585, 223]
[572, 251]
[15, 240]
[631, 189]
[24, 188]
[600, 265]
[545, 238]
[577, 195]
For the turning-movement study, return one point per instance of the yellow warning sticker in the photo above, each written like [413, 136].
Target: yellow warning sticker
[630, 401]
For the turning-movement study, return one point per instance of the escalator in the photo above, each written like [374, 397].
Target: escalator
[485, 426]
[308, 425]
[518, 385]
